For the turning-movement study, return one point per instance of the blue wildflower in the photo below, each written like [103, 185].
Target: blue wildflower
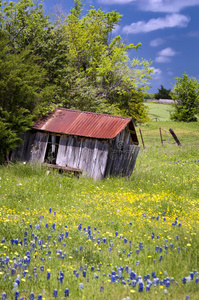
[101, 289]
[55, 293]
[66, 292]
[4, 296]
[32, 296]
[48, 275]
[81, 286]
[16, 295]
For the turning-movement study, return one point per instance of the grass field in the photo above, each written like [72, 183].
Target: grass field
[63, 237]
[159, 112]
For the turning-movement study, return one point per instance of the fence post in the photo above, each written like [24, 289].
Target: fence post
[142, 138]
[174, 136]
[161, 135]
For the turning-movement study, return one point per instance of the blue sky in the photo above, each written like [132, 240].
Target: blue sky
[167, 29]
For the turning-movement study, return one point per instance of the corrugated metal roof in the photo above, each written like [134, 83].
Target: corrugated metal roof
[82, 123]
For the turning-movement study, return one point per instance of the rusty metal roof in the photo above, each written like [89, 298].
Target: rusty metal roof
[82, 123]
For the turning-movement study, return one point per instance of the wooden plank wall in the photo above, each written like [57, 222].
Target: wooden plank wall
[122, 155]
[39, 147]
[23, 151]
[89, 155]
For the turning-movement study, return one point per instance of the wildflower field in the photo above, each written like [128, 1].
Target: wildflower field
[63, 237]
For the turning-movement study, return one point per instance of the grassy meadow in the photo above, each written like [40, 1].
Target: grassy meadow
[63, 237]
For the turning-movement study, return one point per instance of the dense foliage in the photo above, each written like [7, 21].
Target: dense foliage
[74, 63]
[186, 96]
[163, 93]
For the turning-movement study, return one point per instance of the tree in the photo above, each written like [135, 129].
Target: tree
[186, 96]
[24, 91]
[102, 63]
[163, 93]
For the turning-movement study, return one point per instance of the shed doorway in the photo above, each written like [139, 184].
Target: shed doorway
[52, 149]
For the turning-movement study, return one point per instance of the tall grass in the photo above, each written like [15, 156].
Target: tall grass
[97, 238]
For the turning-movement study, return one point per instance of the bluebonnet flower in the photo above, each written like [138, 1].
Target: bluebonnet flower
[4, 296]
[55, 293]
[53, 226]
[84, 273]
[125, 240]
[184, 280]
[81, 286]
[101, 289]
[42, 268]
[197, 280]
[48, 275]
[133, 283]
[16, 295]
[39, 297]
[140, 286]
[116, 233]
[66, 292]
[187, 297]
[66, 234]
[112, 278]
[32, 296]
[148, 288]
[191, 275]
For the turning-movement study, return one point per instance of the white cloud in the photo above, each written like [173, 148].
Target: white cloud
[167, 52]
[170, 21]
[162, 59]
[170, 6]
[115, 1]
[157, 73]
[157, 42]
[116, 29]
[165, 55]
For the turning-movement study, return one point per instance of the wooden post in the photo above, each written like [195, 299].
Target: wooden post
[142, 138]
[175, 137]
[161, 135]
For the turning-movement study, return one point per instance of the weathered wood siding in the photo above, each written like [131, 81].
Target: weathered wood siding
[89, 155]
[39, 147]
[122, 155]
[23, 151]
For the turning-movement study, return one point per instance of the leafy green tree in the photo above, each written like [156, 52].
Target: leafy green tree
[163, 93]
[23, 94]
[103, 63]
[186, 96]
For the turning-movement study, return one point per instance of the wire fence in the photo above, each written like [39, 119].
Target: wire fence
[161, 136]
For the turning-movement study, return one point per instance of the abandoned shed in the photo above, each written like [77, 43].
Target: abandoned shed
[98, 144]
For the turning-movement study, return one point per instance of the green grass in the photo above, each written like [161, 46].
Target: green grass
[159, 112]
[164, 184]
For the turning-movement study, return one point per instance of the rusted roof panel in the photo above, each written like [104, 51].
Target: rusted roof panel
[81, 123]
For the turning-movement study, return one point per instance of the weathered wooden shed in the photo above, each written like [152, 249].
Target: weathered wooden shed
[98, 144]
